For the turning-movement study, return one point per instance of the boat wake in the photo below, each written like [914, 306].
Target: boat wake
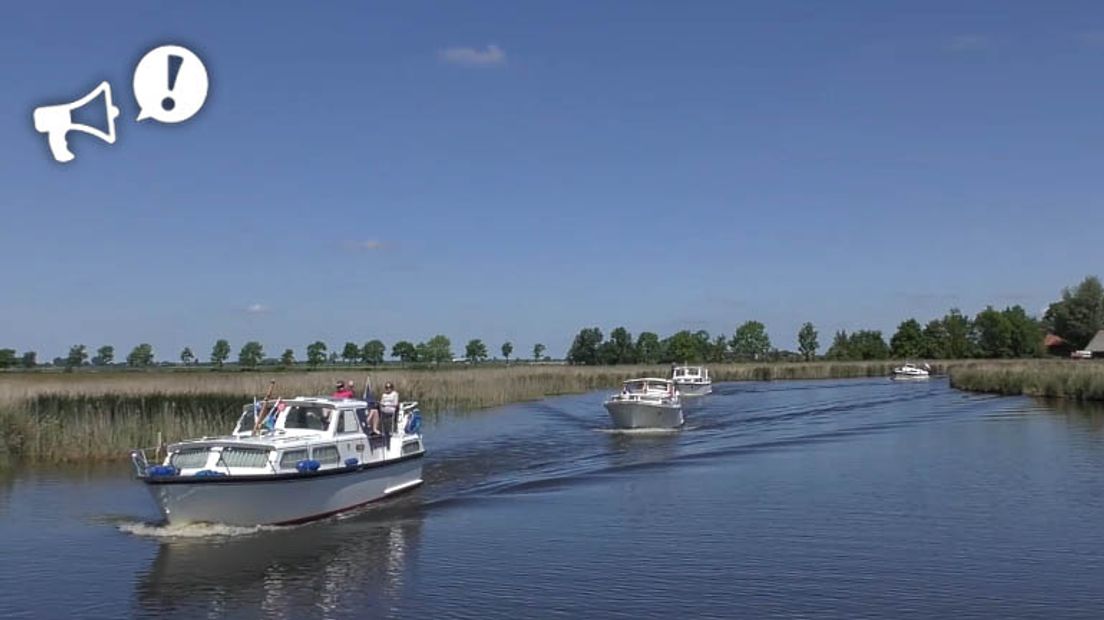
[163, 530]
[639, 431]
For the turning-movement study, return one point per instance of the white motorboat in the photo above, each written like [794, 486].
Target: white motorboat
[692, 380]
[911, 372]
[307, 459]
[646, 403]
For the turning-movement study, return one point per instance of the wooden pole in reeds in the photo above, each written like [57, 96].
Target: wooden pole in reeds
[264, 407]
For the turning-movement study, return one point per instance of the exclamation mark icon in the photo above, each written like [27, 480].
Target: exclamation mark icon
[168, 103]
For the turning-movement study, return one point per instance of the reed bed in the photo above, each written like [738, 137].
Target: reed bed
[1068, 379]
[52, 417]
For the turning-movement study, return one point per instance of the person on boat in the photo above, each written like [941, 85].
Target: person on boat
[342, 392]
[389, 404]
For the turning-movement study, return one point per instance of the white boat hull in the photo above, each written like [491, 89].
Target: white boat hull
[283, 499]
[635, 414]
[694, 389]
[901, 376]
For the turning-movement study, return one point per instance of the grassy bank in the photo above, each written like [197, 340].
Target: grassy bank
[100, 415]
[1074, 380]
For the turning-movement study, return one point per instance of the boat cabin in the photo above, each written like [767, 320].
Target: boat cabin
[690, 374]
[650, 386]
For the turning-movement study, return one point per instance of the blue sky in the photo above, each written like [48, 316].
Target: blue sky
[519, 170]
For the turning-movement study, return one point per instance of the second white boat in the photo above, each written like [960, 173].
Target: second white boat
[692, 380]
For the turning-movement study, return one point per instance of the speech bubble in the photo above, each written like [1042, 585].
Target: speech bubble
[170, 84]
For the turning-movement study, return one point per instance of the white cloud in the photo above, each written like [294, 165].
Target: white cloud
[256, 309]
[491, 56]
[968, 43]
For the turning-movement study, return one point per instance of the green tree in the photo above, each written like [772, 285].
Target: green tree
[140, 356]
[475, 351]
[287, 360]
[538, 352]
[681, 348]
[350, 352]
[584, 349]
[1027, 333]
[1079, 314]
[422, 354]
[622, 350]
[868, 345]
[994, 333]
[841, 347]
[251, 354]
[807, 341]
[935, 340]
[405, 351]
[372, 352]
[7, 358]
[220, 353]
[104, 355]
[751, 341]
[186, 356]
[908, 341]
[77, 356]
[961, 341]
[507, 349]
[439, 349]
[28, 359]
[718, 350]
[316, 354]
[648, 348]
[703, 344]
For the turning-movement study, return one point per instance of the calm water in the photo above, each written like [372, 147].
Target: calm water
[829, 499]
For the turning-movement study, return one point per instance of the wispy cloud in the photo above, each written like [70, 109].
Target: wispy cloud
[364, 245]
[965, 43]
[491, 56]
[256, 309]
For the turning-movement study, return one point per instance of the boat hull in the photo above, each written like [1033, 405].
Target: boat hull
[281, 500]
[909, 377]
[694, 389]
[629, 415]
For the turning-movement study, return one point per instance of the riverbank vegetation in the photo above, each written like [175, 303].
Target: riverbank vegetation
[101, 415]
[1072, 380]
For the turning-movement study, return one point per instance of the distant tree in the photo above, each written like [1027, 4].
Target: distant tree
[28, 359]
[350, 352]
[372, 352]
[751, 341]
[104, 355]
[538, 351]
[1079, 314]
[220, 353]
[186, 356]
[622, 350]
[405, 351]
[584, 349]
[251, 354]
[961, 341]
[77, 356]
[681, 348]
[935, 340]
[140, 356]
[1027, 333]
[287, 360]
[507, 349]
[719, 349]
[994, 333]
[475, 351]
[841, 347]
[807, 343]
[333, 357]
[908, 341]
[703, 344]
[316, 354]
[7, 358]
[422, 354]
[439, 350]
[868, 345]
[648, 348]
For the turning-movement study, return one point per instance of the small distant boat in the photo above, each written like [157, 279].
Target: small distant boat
[646, 403]
[307, 459]
[911, 372]
[692, 380]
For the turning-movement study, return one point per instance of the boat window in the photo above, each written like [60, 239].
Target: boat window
[291, 457]
[411, 447]
[244, 457]
[313, 418]
[347, 423]
[327, 455]
[188, 459]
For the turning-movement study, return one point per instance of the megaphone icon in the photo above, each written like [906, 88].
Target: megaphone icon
[57, 120]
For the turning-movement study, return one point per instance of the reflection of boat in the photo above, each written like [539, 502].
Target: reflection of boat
[646, 403]
[306, 459]
[692, 380]
[294, 573]
[911, 372]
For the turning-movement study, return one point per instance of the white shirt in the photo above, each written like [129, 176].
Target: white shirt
[389, 402]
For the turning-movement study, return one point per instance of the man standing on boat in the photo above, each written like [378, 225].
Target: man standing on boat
[389, 404]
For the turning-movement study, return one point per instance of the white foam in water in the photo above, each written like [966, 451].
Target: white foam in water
[640, 431]
[192, 530]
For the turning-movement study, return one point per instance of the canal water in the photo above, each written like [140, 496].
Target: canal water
[844, 499]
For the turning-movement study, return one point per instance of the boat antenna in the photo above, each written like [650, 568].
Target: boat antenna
[259, 417]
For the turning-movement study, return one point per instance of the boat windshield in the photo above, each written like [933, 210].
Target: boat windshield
[310, 417]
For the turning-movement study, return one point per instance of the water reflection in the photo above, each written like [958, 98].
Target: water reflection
[328, 568]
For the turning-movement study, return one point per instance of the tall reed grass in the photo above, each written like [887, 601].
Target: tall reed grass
[1074, 380]
[100, 415]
